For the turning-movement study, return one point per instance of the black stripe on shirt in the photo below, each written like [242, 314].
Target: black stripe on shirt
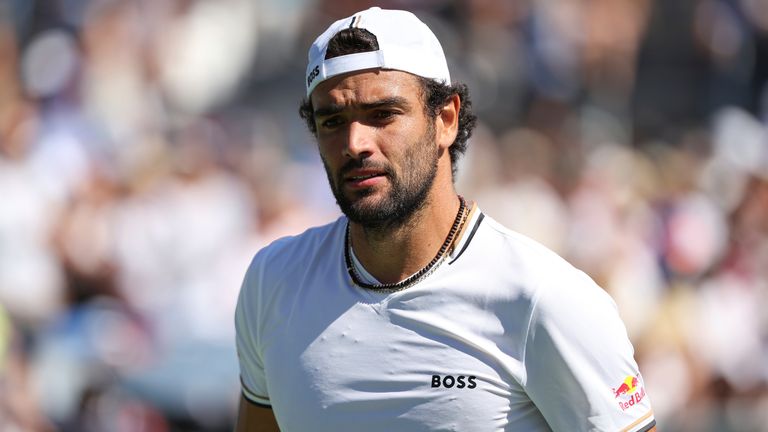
[246, 390]
[258, 404]
[649, 426]
[469, 239]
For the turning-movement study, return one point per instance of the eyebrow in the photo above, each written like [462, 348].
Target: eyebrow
[394, 101]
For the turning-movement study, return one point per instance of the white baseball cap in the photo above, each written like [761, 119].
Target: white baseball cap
[405, 43]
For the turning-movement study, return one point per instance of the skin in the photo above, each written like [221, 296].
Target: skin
[255, 418]
[409, 185]
[376, 119]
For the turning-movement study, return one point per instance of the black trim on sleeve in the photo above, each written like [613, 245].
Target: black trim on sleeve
[648, 426]
[258, 404]
[480, 218]
[245, 390]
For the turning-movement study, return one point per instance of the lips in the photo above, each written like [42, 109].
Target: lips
[364, 178]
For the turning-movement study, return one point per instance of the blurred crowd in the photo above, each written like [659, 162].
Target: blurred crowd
[149, 148]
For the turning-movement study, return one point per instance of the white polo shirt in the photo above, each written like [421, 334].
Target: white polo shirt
[504, 336]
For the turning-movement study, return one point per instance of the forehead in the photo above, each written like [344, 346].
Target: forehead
[367, 86]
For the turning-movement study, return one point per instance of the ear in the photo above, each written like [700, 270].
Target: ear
[447, 122]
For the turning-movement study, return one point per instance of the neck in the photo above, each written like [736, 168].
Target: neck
[392, 253]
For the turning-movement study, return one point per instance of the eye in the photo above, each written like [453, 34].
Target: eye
[331, 122]
[383, 115]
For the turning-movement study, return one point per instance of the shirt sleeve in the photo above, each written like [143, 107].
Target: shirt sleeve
[580, 370]
[252, 376]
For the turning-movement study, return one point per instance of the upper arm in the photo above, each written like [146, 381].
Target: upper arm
[580, 369]
[255, 413]
[252, 373]
[255, 418]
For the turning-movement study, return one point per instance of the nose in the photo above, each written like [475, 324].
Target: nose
[360, 141]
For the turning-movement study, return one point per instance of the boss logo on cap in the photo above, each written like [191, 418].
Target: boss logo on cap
[312, 75]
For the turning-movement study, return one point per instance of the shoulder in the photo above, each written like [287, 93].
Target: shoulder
[291, 252]
[289, 255]
[280, 263]
[552, 279]
[521, 251]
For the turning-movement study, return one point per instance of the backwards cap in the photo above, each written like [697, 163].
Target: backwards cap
[405, 44]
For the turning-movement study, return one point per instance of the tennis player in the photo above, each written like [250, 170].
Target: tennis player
[415, 311]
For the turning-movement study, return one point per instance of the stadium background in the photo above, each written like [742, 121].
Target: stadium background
[149, 148]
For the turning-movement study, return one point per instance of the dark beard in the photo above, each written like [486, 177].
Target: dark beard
[406, 195]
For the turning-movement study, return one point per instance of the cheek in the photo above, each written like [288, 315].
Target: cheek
[327, 153]
[330, 165]
[411, 139]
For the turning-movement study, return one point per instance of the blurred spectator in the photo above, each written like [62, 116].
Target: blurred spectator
[149, 149]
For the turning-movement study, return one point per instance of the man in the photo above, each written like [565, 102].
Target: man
[415, 311]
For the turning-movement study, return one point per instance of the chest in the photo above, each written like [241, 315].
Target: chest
[421, 360]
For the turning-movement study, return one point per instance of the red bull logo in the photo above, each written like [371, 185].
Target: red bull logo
[630, 392]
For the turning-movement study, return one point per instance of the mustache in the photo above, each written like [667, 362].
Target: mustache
[364, 164]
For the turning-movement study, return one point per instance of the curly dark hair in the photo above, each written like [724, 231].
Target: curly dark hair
[435, 94]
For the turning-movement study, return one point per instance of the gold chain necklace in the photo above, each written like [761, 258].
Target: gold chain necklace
[458, 224]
